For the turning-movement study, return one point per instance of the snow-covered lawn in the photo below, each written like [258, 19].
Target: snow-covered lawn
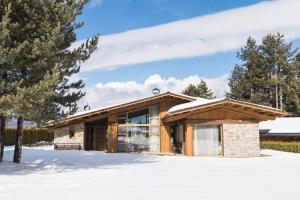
[77, 175]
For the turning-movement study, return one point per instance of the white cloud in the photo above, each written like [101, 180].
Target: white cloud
[116, 92]
[94, 3]
[198, 36]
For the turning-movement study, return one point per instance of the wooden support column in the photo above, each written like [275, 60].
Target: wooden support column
[112, 133]
[165, 139]
[188, 144]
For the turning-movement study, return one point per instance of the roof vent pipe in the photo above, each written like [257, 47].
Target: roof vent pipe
[156, 91]
[87, 107]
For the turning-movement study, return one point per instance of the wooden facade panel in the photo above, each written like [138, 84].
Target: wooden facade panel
[112, 133]
[165, 137]
[188, 143]
[221, 114]
[100, 138]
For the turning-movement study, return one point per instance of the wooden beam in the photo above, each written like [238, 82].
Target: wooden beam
[188, 144]
[219, 122]
[184, 115]
[112, 134]
[254, 114]
[165, 137]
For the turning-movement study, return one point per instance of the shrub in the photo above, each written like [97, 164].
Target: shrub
[31, 136]
[281, 146]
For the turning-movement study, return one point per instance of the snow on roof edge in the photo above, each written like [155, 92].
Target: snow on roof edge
[202, 102]
[193, 104]
[125, 102]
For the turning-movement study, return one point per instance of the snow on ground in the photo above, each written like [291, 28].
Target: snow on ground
[77, 175]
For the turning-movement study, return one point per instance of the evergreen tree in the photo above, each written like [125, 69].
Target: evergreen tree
[277, 55]
[247, 81]
[238, 85]
[27, 103]
[201, 90]
[35, 43]
[269, 74]
[2, 136]
[291, 88]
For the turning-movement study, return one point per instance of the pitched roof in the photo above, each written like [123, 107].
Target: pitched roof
[202, 102]
[193, 104]
[264, 112]
[121, 105]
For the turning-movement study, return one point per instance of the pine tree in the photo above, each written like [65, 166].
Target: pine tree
[277, 55]
[27, 103]
[201, 90]
[2, 136]
[291, 88]
[37, 38]
[247, 81]
[269, 74]
[238, 85]
[6, 80]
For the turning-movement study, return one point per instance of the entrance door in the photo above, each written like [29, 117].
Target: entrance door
[207, 140]
[177, 134]
[100, 138]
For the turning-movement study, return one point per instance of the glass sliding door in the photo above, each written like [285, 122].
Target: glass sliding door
[139, 130]
[207, 140]
[138, 138]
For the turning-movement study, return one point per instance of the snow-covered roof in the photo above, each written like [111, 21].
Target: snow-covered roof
[201, 102]
[196, 103]
[282, 125]
[103, 108]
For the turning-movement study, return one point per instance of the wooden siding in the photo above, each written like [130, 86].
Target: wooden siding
[134, 105]
[165, 137]
[221, 114]
[226, 109]
[188, 143]
[112, 132]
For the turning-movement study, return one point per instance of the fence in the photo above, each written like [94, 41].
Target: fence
[31, 136]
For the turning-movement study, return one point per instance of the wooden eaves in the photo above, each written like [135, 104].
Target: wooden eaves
[107, 110]
[261, 113]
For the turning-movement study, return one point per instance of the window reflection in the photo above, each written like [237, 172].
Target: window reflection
[139, 117]
[139, 130]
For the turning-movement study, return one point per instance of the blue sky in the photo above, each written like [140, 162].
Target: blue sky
[126, 60]
[115, 16]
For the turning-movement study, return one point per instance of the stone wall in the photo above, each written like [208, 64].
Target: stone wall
[62, 134]
[241, 140]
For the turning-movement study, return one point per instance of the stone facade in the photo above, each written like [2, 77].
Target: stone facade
[241, 140]
[62, 134]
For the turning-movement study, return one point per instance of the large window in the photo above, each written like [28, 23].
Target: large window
[207, 140]
[139, 130]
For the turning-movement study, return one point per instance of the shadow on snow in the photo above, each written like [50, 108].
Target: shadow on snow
[36, 160]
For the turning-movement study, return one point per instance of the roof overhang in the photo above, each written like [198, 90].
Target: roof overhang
[259, 112]
[106, 110]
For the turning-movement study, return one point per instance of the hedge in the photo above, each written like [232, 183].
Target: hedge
[31, 136]
[281, 146]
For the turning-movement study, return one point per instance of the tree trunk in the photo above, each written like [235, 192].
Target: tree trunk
[19, 138]
[2, 136]
[276, 95]
[280, 98]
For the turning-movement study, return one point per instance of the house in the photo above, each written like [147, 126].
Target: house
[168, 123]
[283, 128]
